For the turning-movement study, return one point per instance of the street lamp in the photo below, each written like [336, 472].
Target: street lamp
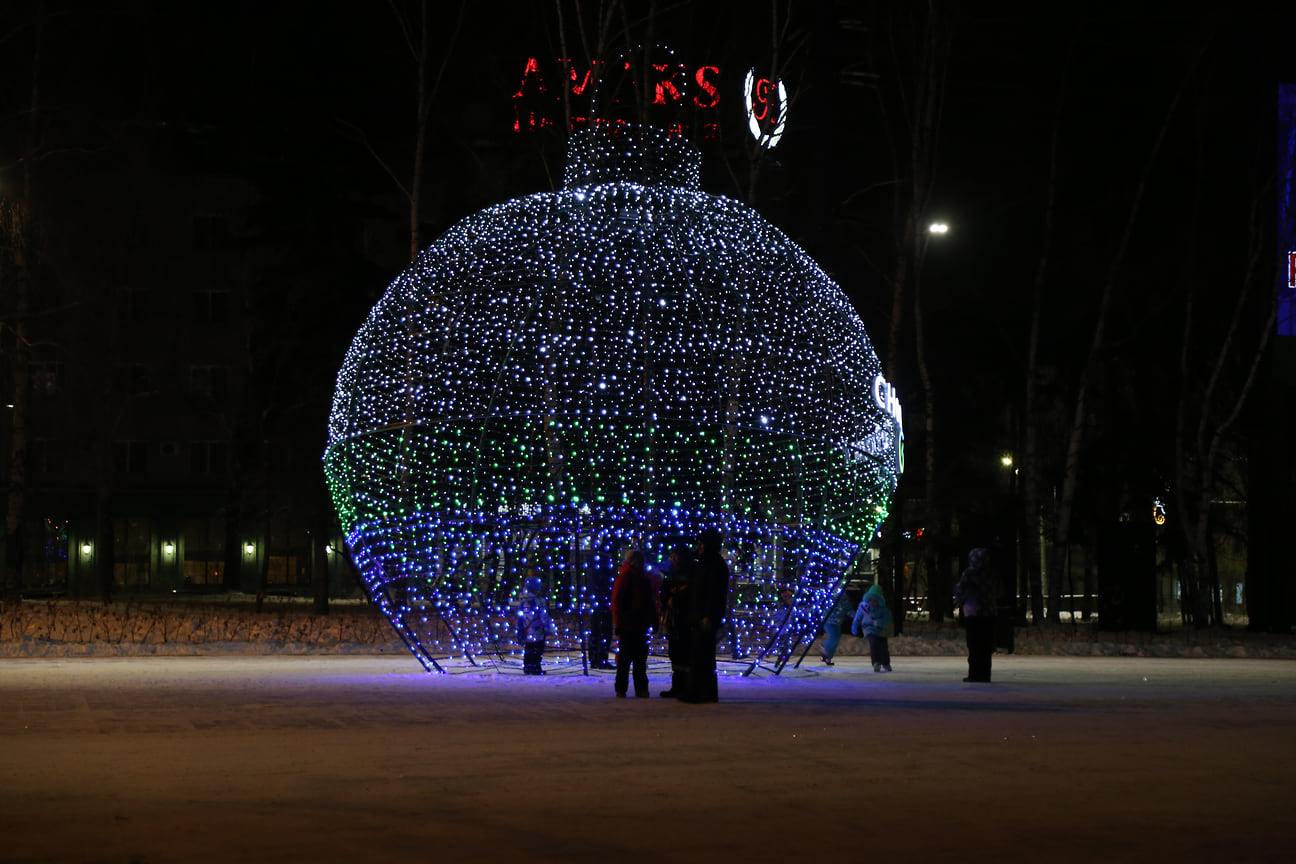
[935, 229]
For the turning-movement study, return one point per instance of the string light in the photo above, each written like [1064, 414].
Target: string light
[626, 361]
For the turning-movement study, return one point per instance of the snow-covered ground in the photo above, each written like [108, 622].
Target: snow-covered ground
[349, 758]
[206, 627]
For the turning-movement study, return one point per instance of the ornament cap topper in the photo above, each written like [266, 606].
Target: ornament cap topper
[636, 154]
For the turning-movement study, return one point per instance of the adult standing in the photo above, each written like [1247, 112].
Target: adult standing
[707, 602]
[674, 618]
[601, 576]
[634, 614]
[977, 598]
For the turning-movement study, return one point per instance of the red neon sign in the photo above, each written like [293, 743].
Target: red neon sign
[537, 104]
[760, 96]
[1291, 269]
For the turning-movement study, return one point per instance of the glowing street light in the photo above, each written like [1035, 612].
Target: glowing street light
[935, 229]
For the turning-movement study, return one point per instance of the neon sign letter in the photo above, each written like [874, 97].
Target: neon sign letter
[758, 92]
[707, 87]
[665, 86]
[885, 397]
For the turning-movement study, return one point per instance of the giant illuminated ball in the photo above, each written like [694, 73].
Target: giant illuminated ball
[626, 361]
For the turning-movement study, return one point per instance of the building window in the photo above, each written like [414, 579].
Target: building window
[289, 545]
[136, 304]
[209, 381]
[46, 457]
[130, 457]
[51, 565]
[46, 376]
[211, 232]
[211, 307]
[284, 570]
[132, 551]
[134, 378]
[204, 551]
[207, 457]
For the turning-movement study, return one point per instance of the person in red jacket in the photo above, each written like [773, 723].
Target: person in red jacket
[634, 615]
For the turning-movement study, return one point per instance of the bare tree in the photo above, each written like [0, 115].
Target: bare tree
[913, 142]
[1090, 368]
[414, 33]
[1030, 513]
[929, 98]
[1200, 440]
[15, 279]
[19, 230]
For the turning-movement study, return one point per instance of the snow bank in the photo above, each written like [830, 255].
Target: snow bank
[1083, 640]
[70, 628]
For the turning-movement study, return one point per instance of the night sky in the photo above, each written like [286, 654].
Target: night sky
[294, 96]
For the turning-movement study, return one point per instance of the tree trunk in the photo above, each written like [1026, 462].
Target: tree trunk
[103, 547]
[1030, 510]
[15, 220]
[1066, 501]
[1197, 458]
[263, 551]
[930, 98]
[420, 133]
[320, 559]
[18, 224]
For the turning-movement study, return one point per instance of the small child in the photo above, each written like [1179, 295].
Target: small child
[832, 627]
[533, 626]
[873, 620]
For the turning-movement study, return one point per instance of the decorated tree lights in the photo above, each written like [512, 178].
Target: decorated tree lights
[623, 362]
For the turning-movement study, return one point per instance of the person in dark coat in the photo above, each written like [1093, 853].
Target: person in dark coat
[977, 598]
[634, 614]
[674, 618]
[707, 603]
[600, 633]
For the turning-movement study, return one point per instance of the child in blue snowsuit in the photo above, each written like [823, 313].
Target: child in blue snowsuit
[533, 626]
[873, 620]
[832, 627]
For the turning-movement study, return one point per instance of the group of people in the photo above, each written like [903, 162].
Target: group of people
[688, 599]
[871, 619]
[689, 604]
[976, 598]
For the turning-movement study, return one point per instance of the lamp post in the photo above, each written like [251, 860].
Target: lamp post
[1010, 530]
[935, 578]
